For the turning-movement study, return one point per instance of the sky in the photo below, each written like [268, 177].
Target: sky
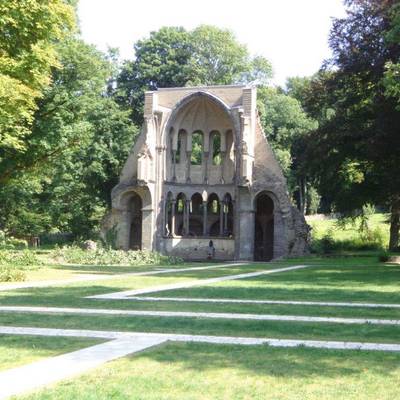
[291, 34]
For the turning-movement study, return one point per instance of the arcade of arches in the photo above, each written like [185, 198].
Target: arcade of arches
[194, 217]
[202, 170]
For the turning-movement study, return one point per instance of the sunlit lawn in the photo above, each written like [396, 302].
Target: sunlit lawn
[204, 371]
[17, 350]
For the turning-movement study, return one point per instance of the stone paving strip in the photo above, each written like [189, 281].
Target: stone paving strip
[35, 375]
[188, 314]
[50, 370]
[284, 302]
[94, 277]
[198, 282]
[248, 341]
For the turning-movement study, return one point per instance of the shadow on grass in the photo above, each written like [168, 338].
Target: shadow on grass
[276, 362]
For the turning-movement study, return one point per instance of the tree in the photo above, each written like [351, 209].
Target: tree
[29, 30]
[285, 123]
[174, 57]
[359, 141]
[88, 137]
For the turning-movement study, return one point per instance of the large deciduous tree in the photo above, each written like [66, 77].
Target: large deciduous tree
[355, 152]
[82, 137]
[174, 57]
[29, 30]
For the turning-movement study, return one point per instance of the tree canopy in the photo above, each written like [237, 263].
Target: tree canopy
[28, 32]
[358, 137]
[173, 57]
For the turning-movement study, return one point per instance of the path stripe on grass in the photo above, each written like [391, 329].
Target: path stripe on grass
[199, 282]
[186, 314]
[93, 277]
[244, 301]
[248, 341]
[50, 370]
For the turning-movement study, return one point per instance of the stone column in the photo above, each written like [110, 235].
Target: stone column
[173, 203]
[205, 164]
[204, 218]
[174, 165]
[226, 211]
[188, 164]
[221, 218]
[187, 228]
[165, 218]
[222, 166]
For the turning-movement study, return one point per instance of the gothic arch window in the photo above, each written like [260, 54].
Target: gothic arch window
[197, 148]
[181, 145]
[196, 215]
[228, 215]
[213, 215]
[216, 148]
[168, 214]
[180, 214]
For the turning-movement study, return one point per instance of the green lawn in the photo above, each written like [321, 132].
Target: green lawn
[200, 371]
[204, 371]
[321, 226]
[17, 350]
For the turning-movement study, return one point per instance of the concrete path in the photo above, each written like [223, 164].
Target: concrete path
[4, 287]
[199, 282]
[50, 370]
[283, 302]
[248, 341]
[35, 375]
[187, 314]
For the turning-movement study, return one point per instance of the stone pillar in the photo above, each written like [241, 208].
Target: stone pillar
[173, 203]
[174, 165]
[206, 155]
[187, 228]
[204, 218]
[226, 211]
[221, 218]
[147, 228]
[222, 166]
[188, 164]
[165, 218]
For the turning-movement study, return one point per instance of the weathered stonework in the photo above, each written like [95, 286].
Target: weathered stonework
[203, 170]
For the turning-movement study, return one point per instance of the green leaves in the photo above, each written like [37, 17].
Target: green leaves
[173, 57]
[28, 31]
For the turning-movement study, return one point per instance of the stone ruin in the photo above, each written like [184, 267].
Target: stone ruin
[200, 170]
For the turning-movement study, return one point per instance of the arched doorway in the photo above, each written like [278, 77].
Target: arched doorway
[264, 228]
[135, 232]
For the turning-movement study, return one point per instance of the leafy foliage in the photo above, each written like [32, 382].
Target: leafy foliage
[101, 256]
[29, 30]
[358, 138]
[173, 57]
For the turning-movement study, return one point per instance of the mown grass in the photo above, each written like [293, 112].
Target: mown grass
[17, 350]
[205, 371]
[195, 371]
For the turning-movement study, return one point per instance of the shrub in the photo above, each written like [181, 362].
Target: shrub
[9, 274]
[19, 258]
[17, 243]
[101, 256]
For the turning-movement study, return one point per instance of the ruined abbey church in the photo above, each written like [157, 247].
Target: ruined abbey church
[200, 171]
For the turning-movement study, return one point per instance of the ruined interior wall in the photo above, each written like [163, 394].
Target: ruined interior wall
[196, 248]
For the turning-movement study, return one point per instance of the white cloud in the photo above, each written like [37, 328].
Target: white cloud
[292, 34]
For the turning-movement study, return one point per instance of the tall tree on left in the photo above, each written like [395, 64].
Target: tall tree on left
[29, 31]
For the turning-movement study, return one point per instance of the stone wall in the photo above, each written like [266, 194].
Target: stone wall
[196, 248]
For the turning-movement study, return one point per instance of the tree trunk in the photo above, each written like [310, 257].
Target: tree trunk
[394, 223]
[302, 195]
